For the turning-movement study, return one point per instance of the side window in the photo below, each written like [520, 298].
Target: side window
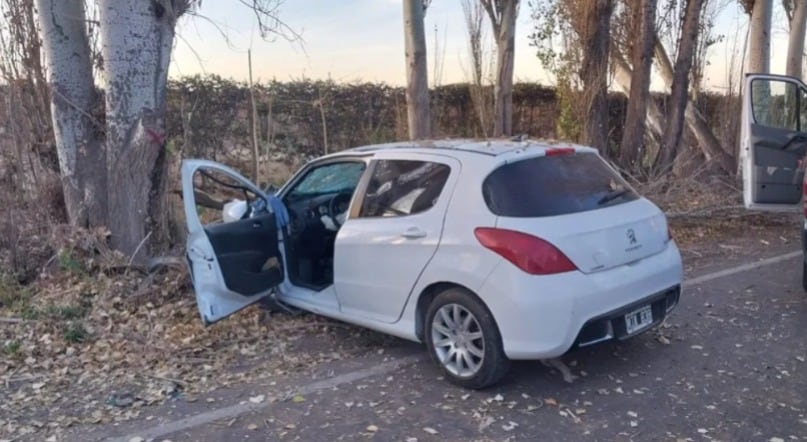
[403, 187]
[776, 103]
[219, 197]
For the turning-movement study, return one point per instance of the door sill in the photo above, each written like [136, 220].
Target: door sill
[307, 299]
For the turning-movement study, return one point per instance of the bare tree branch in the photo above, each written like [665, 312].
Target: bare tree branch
[269, 23]
[494, 13]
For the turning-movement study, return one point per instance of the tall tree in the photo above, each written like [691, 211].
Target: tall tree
[708, 142]
[679, 95]
[78, 145]
[417, 76]
[797, 17]
[759, 35]
[573, 39]
[643, 29]
[136, 42]
[594, 31]
[475, 14]
[502, 14]
[115, 175]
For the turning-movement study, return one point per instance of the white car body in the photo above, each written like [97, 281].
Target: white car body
[387, 269]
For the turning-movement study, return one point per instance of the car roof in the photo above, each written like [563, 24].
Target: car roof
[496, 147]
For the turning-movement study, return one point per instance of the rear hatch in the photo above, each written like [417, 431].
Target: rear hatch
[579, 204]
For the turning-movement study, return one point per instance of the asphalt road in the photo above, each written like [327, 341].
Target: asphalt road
[729, 364]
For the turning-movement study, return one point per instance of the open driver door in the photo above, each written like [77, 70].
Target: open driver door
[773, 141]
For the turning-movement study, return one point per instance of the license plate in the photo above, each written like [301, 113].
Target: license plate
[638, 319]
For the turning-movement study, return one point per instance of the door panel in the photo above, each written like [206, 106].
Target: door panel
[391, 235]
[247, 252]
[773, 142]
[232, 264]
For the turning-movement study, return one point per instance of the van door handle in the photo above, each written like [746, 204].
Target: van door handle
[413, 233]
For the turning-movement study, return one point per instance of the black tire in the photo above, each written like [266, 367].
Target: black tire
[804, 275]
[491, 367]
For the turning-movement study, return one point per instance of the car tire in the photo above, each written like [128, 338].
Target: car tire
[463, 339]
[804, 275]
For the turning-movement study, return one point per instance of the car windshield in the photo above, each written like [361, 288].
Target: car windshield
[554, 185]
[330, 178]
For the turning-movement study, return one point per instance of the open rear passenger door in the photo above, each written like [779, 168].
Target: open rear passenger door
[232, 264]
[773, 141]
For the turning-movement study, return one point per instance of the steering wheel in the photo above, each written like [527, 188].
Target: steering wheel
[334, 204]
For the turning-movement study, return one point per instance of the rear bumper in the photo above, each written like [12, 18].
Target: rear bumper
[544, 316]
[612, 324]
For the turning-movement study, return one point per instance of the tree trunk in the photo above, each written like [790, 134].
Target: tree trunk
[136, 46]
[709, 144]
[480, 97]
[253, 117]
[596, 40]
[795, 47]
[632, 146]
[77, 135]
[505, 52]
[679, 95]
[622, 78]
[759, 38]
[417, 80]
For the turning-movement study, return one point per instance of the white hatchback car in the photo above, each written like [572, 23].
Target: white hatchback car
[487, 251]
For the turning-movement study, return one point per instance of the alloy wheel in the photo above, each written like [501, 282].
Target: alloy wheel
[458, 340]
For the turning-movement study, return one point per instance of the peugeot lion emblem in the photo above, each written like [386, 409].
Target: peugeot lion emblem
[631, 236]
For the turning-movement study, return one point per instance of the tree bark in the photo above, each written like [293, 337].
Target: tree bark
[73, 96]
[502, 14]
[632, 146]
[596, 39]
[795, 47]
[622, 78]
[679, 95]
[759, 38]
[417, 79]
[709, 144]
[136, 46]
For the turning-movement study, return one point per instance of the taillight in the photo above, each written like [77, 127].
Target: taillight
[559, 151]
[529, 253]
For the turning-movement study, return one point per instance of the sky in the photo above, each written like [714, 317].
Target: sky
[362, 40]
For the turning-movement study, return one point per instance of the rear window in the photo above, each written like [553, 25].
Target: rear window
[554, 185]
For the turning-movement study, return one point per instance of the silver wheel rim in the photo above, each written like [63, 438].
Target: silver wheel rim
[458, 340]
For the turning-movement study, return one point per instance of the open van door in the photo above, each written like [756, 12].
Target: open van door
[773, 141]
[232, 263]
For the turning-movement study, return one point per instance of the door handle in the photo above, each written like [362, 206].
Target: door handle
[256, 224]
[413, 233]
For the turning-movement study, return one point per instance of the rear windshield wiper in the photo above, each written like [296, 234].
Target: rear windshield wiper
[612, 195]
